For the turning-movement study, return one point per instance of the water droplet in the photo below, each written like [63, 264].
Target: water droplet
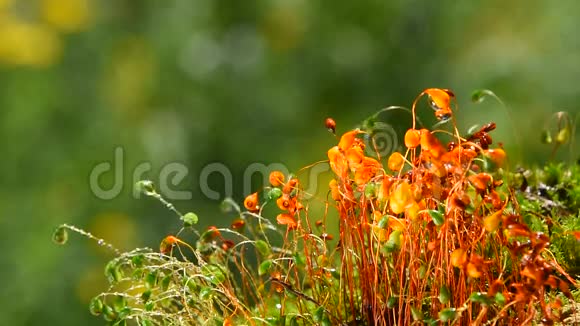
[101, 242]
[60, 235]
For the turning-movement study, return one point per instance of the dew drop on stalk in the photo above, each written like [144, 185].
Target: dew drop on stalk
[60, 235]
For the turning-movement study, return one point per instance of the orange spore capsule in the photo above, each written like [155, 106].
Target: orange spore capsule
[330, 124]
[238, 224]
[326, 237]
[347, 139]
[290, 185]
[491, 222]
[284, 202]
[338, 162]
[458, 257]
[473, 271]
[227, 245]
[251, 202]
[354, 157]
[440, 98]
[412, 138]
[367, 170]
[431, 144]
[480, 181]
[276, 178]
[167, 244]
[211, 233]
[334, 192]
[395, 161]
[432, 245]
[171, 239]
[497, 155]
[286, 219]
[440, 101]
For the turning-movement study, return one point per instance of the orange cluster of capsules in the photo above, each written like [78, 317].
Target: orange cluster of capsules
[433, 227]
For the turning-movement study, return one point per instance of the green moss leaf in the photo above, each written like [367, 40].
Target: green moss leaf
[96, 306]
[447, 314]
[383, 221]
[318, 314]
[205, 293]
[444, 294]
[213, 273]
[109, 314]
[392, 302]
[113, 272]
[165, 282]
[437, 217]
[263, 248]
[394, 241]
[274, 193]
[264, 267]
[499, 299]
[151, 279]
[146, 295]
[189, 219]
[480, 297]
[370, 190]
[138, 260]
[417, 314]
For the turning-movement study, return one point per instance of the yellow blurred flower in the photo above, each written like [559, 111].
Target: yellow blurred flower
[90, 282]
[130, 76]
[5, 4]
[67, 15]
[28, 44]
[284, 26]
[117, 228]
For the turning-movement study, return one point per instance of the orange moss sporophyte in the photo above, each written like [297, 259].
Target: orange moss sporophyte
[338, 161]
[169, 242]
[431, 144]
[284, 202]
[287, 219]
[276, 178]
[238, 224]
[348, 139]
[292, 184]
[440, 101]
[412, 138]
[395, 161]
[211, 233]
[334, 192]
[251, 202]
[330, 124]
[368, 168]
[497, 155]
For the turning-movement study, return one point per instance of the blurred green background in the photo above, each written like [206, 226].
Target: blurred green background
[234, 82]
